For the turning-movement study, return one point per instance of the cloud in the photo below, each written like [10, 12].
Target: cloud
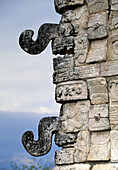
[43, 110]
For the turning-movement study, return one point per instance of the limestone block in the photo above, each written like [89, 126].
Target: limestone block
[100, 146]
[74, 116]
[75, 73]
[81, 48]
[98, 90]
[98, 51]
[113, 90]
[87, 71]
[96, 6]
[98, 110]
[77, 18]
[66, 29]
[98, 124]
[63, 5]
[114, 115]
[82, 146]
[113, 45]
[61, 75]
[107, 166]
[72, 90]
[114, 146]
[98, 118]
[109, 68]
[65, 156]
[114, 5]
[113, 20]
[63, 45]
[63, 62]
[97, 26]
[63, 139]
[74, 167]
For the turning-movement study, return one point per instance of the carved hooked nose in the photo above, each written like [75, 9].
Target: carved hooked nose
[47, 127]
[46, 33]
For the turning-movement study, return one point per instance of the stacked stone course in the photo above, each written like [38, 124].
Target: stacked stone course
[86, 78]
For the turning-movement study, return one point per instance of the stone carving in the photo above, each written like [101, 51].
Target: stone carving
[100, 146]
[98, 118]
[47, 127]
[64, 156]
[96, 6]
[74, 116]
[82, 146]
[114, 5]
[98, 90]
[81, 49]
[63, 62]
[98, 51]
[114, 145]
[46, 33]
[63, 45]
[63, 139]
[97, 26]
[109, 68]
[73, 90]
[86, 78]
[63, 5]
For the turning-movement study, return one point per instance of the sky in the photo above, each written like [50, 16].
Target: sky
[26, 84]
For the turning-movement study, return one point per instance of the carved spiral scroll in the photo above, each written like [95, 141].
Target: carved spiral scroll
[46, 33]
[47, 127]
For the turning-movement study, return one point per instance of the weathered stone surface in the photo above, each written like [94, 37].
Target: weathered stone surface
[98, 90]
[74, 167]
[109, 68]
[72, 90]
[97, 28]
[63, 5]
[78, 19]
[63, 45]
[113, 90]
[46, 33]
[82, 146]
[63, 139]
[107, 166]
[100, 146]
[63, 62]
[74, 116]
[87, 71]
[113, 20]
[61, 75]
[98, 110]
[75, 73]
[47, 127]
[96, 6]
[114, 145]
[98, 51]
[114, 115]
[66, 29]
[65, 156]
[113, 45]
[98, 124]
[81, 49]
[114, 5]
[98, 118]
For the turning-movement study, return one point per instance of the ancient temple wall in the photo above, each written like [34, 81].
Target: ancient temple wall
[86, 78]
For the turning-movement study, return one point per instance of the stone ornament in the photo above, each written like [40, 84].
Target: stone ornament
[85, 43]
[46, 33]
[47, 127]
[74, 90]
